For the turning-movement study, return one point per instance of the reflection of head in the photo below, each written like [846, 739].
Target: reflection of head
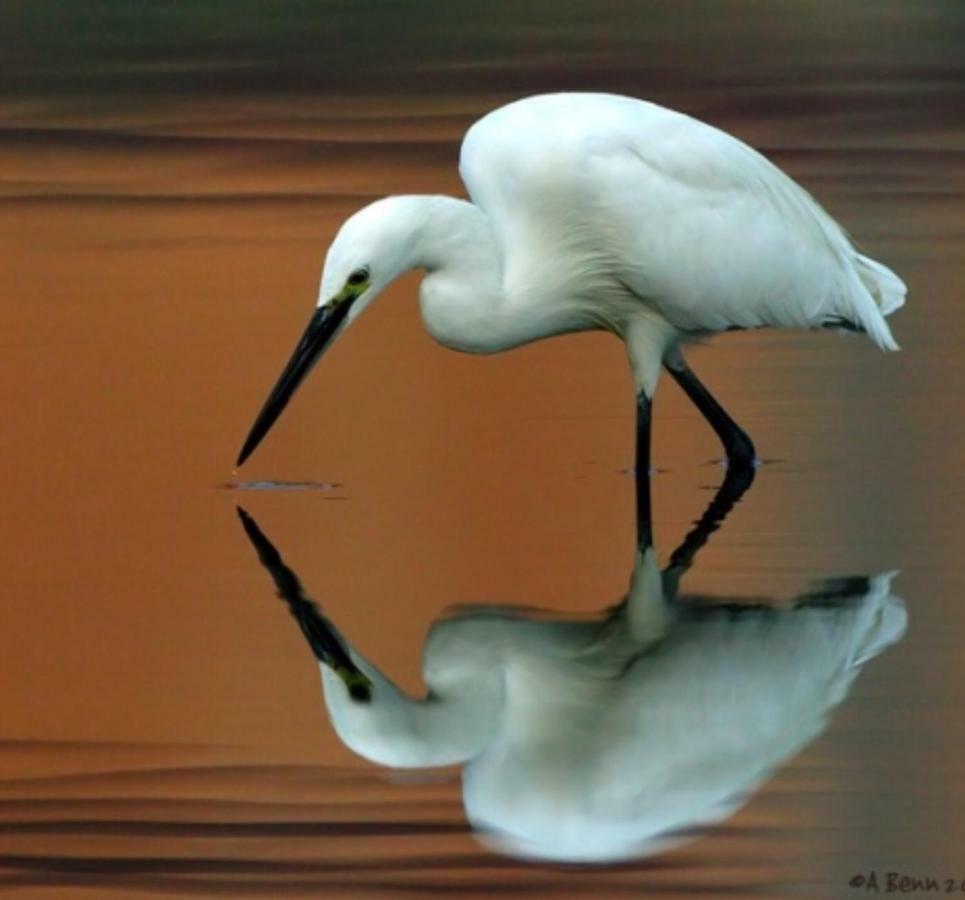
[393, 729]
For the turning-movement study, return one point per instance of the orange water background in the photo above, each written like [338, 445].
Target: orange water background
[160, 248]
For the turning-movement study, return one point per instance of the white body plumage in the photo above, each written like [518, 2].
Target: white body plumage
[594, 211]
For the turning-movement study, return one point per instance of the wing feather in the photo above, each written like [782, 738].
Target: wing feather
[696, 223]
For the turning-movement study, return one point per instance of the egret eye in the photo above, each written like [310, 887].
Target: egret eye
[359, 276]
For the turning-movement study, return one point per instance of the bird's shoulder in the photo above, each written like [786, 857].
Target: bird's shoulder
[546, 132]
[626, 150]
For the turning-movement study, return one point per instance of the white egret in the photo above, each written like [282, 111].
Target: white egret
[595, 211]
[616, 737]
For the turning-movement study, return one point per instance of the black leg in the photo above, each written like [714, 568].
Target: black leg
[737, 445]
[644, 518]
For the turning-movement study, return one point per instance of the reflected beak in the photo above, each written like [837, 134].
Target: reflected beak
[321, 635]
[322, 328]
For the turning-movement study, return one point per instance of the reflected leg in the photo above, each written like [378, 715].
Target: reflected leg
[736, 483]
[737, 445]
[644, 516]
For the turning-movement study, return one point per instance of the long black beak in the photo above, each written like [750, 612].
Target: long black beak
[322, 327]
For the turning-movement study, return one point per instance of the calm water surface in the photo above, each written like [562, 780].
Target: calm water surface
[168, 187]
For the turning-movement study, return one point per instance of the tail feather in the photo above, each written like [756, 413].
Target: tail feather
[884, 285]
[876, 293]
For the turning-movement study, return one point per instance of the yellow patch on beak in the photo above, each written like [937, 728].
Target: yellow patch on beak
[349, 292]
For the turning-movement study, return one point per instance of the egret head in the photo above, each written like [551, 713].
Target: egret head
[372, 248]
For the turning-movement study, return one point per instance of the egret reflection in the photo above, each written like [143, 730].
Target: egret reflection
[617, 736]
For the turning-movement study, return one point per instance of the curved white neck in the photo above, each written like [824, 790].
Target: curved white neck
[465, 298]
[453, 235]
